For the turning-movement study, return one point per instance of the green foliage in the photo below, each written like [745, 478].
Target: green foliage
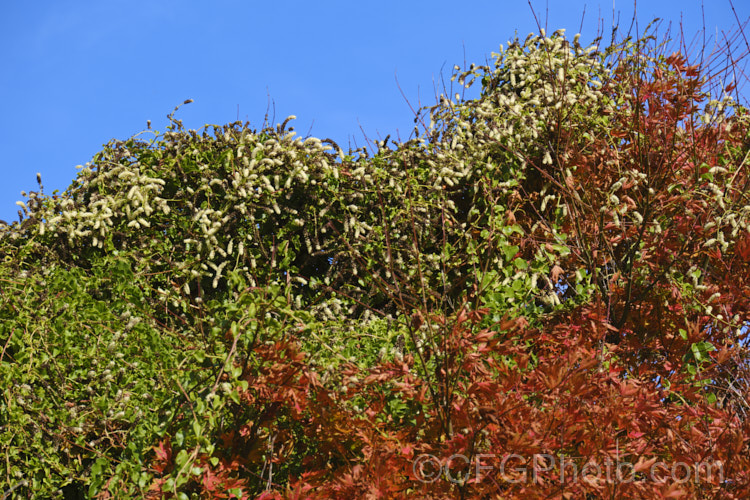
[236, 313]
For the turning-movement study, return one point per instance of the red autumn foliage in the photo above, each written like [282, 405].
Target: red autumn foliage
[519, 426]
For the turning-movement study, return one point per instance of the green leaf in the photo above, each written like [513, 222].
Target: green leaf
[701, 349]
[510, 252]
[521, 264]
[234, 396]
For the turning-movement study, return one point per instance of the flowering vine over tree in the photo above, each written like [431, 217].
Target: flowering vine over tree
[544, 293]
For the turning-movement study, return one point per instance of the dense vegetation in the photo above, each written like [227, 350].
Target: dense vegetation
[554, 272]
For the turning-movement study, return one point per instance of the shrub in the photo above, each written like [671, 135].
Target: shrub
[553, 273]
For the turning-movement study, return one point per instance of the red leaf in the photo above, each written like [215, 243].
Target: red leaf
[163, 455]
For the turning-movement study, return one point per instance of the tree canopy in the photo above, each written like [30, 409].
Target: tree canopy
[554, 273]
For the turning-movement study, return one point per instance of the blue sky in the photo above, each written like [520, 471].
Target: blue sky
[76, 74]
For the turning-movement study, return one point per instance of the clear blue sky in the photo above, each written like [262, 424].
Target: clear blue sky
[78, 73]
